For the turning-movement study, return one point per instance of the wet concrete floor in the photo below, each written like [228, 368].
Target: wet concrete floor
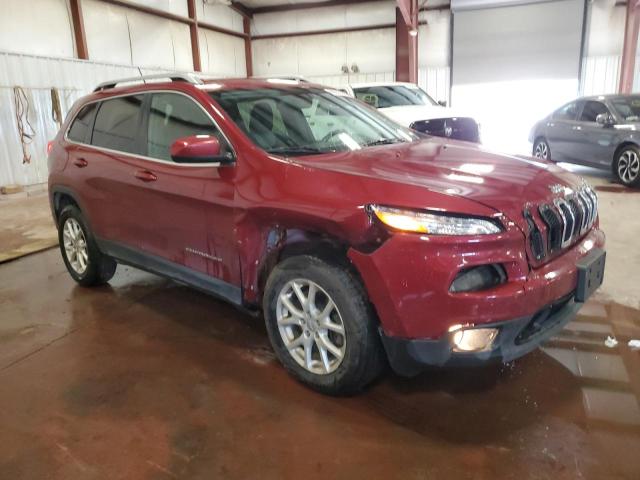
[144, 379]
[27, 226]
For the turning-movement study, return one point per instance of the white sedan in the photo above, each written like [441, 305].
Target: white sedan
[409, 105]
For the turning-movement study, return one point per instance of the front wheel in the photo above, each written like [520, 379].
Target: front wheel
[321, 325]
[541, 149]
[627, 166]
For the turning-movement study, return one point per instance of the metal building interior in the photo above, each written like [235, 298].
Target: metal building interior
[447, 269]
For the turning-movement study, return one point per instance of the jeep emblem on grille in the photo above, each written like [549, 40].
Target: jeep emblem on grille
[556, 189]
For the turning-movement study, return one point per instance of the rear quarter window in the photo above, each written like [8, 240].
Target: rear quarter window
[82, 123]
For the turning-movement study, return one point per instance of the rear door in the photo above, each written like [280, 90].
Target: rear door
[561, 132]
[596, 143]
[101, 136]
[117, 207]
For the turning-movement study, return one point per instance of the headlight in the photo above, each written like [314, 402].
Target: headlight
[433, 223]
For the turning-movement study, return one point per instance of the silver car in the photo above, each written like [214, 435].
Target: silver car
[601, 132]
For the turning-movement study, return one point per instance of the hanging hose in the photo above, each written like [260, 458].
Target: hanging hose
[56, 110]
[25, 130]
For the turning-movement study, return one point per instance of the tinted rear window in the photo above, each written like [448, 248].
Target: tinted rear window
[117, 123]
[568, 112]
[82, 123]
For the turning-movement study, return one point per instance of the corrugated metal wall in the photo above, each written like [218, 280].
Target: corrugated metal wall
[36, 76]
[601, 74]
[118, 38]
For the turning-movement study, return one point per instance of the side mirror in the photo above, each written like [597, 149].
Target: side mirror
[199, 149]
[604, 119]
[442, 103]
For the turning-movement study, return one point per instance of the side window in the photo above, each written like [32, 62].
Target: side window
[568, 112]
[82, 123]
[173, 116]
[117, 122]
[591, 110]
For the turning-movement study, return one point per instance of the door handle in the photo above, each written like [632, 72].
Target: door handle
[577, 127]
[80, 162]
[146, 176]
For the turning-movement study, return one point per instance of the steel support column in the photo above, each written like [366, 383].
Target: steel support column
[629, 48]
[407, 41]
[193, 32]
[78, 29]
[248, 56]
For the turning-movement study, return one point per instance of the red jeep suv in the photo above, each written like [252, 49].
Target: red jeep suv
[360, 241]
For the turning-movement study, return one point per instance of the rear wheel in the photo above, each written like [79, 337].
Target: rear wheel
[85, 263]
[627, 166]
[321, 325]
[541, 149]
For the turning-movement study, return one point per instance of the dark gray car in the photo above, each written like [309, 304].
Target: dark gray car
[601, 132]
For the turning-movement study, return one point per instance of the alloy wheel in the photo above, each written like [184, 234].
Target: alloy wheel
[75, 246]
[628, 166]
[541, 151]
[311, 326]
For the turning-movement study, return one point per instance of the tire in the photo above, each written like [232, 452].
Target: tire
[362, 354]
[541, 149]
[626, 166]
[92, 268]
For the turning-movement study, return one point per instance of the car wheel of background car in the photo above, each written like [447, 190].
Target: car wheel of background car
[627, 166]
[85, 263]
[322, 326]
[541, 149]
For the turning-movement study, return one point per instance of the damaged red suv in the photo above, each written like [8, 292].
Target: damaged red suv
[361, 242]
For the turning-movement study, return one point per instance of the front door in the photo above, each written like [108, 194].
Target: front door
[561, 131]
[189, 208]
[596, 143]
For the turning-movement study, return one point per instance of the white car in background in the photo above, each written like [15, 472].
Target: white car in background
[412, 107]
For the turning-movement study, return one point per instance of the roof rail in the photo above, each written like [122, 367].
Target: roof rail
[174, 77]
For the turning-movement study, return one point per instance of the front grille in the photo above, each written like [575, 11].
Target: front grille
[535, 236]
[566, 219]
[554, 227]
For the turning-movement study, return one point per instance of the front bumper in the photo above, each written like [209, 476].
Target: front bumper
[408, 279]
[515, 338]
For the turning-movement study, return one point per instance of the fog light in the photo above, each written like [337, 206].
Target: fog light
[474, 339]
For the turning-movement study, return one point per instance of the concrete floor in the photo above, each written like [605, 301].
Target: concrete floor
[27, 225]
[144, 379]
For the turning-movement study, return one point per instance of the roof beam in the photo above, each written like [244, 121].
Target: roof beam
[241, 9]
[150, 10]
[304, 6]
[323, 32]
[176, 18]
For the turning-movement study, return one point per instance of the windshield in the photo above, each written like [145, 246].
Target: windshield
[393, 96]
[303, 121]
[628, 108]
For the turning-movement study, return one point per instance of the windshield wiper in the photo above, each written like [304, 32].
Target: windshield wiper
[382, 141]
[296, 150]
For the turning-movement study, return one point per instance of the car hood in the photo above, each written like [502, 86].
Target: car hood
[503, 183]
[408, 114]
